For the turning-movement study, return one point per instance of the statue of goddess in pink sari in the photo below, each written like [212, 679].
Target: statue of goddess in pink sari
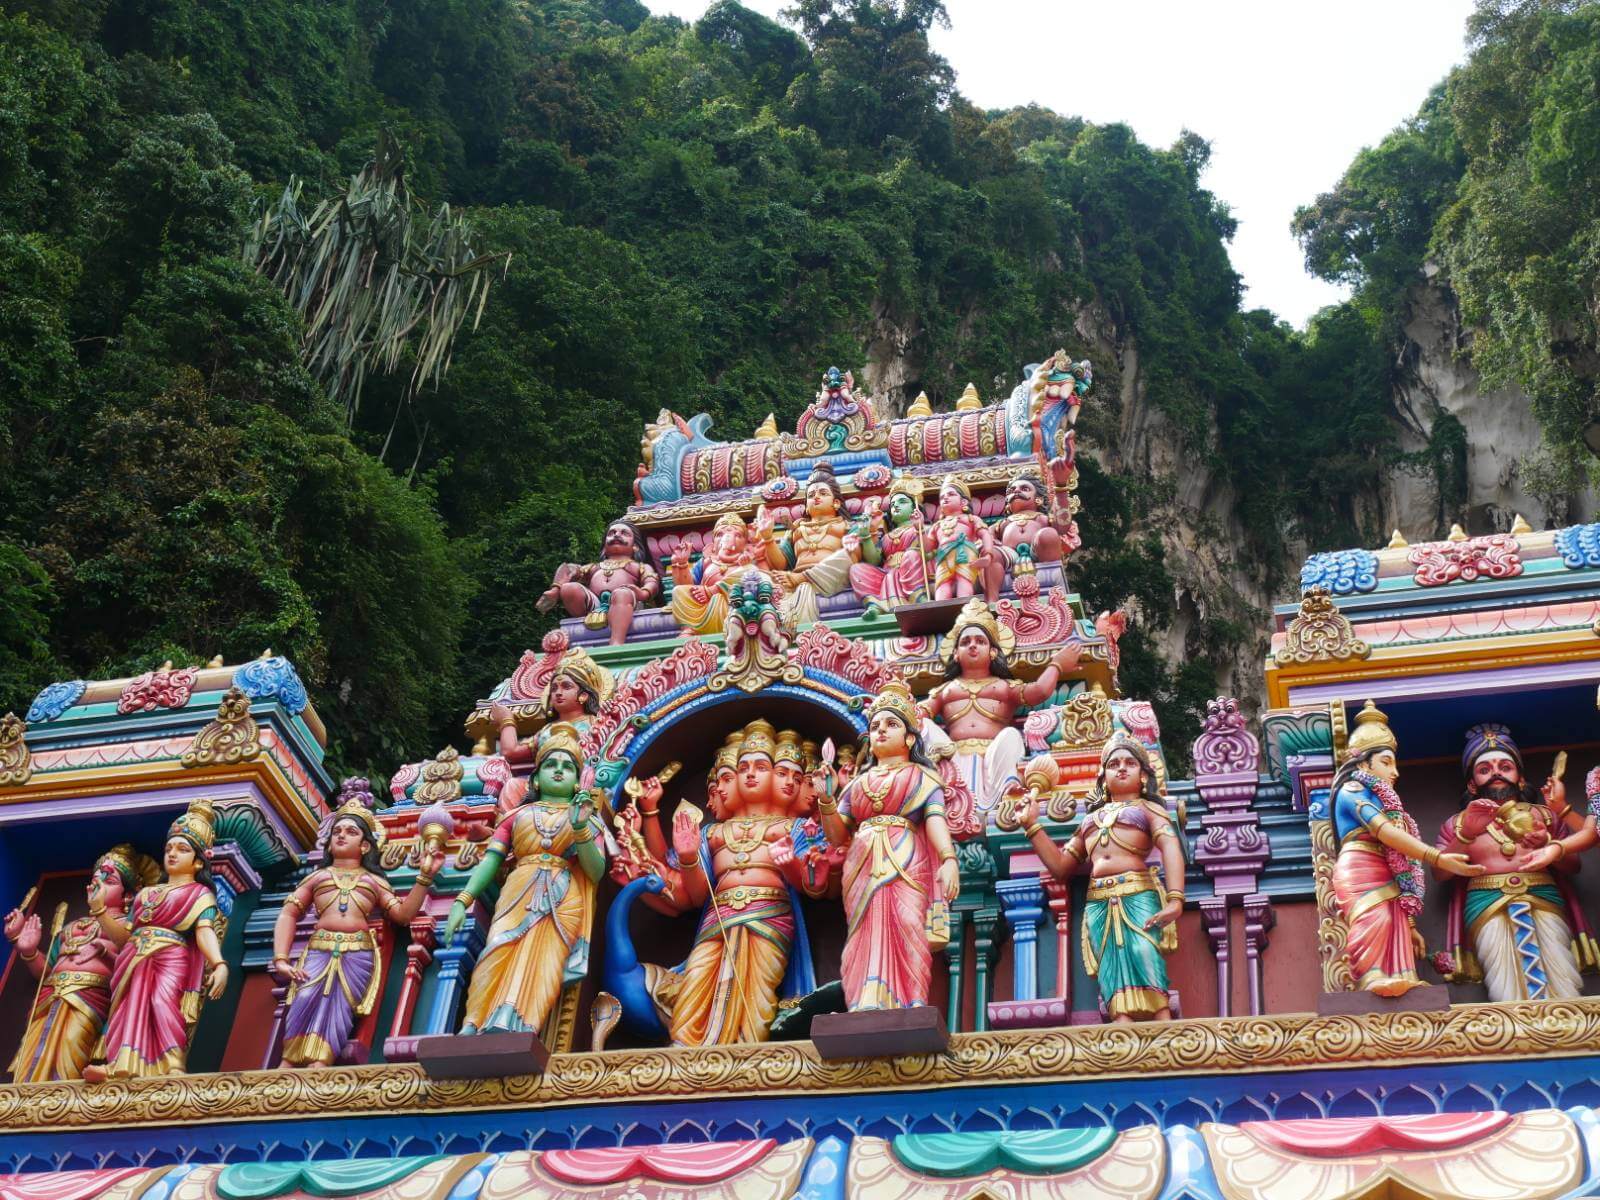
[895, 805]
[170, 959]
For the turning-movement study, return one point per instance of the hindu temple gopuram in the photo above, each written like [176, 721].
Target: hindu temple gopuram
[817, 853]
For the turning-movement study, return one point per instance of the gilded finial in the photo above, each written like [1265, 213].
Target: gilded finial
[1397, 541]
[267, 653]
[768, 429]
[969, 399]
[920, 407]
[1457, 534]
[216, 661]
[1520, 526]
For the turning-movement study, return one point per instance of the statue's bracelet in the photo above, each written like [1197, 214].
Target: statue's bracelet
[1174, 895]
[1033, 830]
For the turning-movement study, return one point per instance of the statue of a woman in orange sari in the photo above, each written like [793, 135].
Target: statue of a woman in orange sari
[894, 804]
[539, 940]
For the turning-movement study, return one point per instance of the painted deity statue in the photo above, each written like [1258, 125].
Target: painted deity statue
[810, 560]
[1131, 910]
[74, 973]
[961, 545]
[606, 593]
[977, 705]
[1516, 921]
[1376, 881]
[169, 959]
[337, 977]
[700, 590]
[894, 568]
[538, 942]
[1026, 524]
[891, 817]
[743, 875]
[577, 689]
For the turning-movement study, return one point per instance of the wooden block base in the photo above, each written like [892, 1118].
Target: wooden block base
[880, 1033]
[929, 617]
[1427, 998]
[482, 1055]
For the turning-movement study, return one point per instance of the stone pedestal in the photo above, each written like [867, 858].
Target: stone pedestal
[880, 1033]
[930, 617]
[482, 1055]
[1427, 998]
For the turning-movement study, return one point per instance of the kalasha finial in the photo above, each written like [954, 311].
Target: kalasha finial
[768, 429]
[1397, 541]
[1457, 534]
[1520, 526]
[920, 407]
[969, 399]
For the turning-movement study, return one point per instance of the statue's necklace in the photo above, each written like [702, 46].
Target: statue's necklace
[881, 793]
[742, 837]
[345, 883]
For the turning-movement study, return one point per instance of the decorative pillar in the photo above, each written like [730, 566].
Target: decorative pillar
[1059, 898]
[455, 968]
[1232, 851]
[231, 873]
[1024, 911]
[1259, 917]
[986, 949]
[401, 1044]
[955, 955]
[1214, 914]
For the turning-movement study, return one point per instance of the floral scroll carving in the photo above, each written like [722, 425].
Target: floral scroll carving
[16, 763]
[1320, 633]
[230, 737]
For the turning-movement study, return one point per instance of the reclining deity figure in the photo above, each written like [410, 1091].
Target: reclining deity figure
[74, 973]
[1517, 919]
[606, 593]
[744, 872]
[810, 561]
[700, 590]
[977, 705]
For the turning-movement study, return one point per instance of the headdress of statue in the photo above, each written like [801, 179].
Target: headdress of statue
[1486, 738]
[197, 826]
[1371, 733]
[976, 613]
[578, 665]
[561, 736]
[810, 756]
[729, 521]
[896, 698]
[136, 870]
[907, 485]
[954, 481]
[760, 737]
[789, 749]
[823, 473]
[728, 755]
[353, 809]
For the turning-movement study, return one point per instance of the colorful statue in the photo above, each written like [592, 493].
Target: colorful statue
[573, 696]
[961, 545]
[891, 817]
[742, 872]
[978, 704]
[169, 959]
[606, 593]
[538, 942]
[810, 560]
[338, 976]
[1514, 918]
[757, 641]
[1049, 537]
[700, 591]
[1376, 881]
[74, 973]
[1130, 912]
[894, 568]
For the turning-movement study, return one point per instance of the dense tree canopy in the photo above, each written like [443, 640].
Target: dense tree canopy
[698, 217]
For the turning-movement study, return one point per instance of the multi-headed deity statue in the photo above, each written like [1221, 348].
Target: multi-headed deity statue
[337, 977]
[606, 593]
[74, 973]
[810, 560]
[1513, 919]
[744, 873]
[538, 942]
[1131, 910]
[700, 590]
[169, 957]
[1377, 881]
[894, 569]
[977, 705]
[962, 547]
[891, 817]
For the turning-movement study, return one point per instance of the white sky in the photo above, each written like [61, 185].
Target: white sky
[1287, 91]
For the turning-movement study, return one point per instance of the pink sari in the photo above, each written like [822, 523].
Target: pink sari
[888, 878]
[1378, 945]
[155, 988]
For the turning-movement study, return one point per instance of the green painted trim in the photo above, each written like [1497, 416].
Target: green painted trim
[1030, 1152]
[261, 1181]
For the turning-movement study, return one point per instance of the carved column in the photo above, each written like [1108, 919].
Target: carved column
[1232, 851]
[985, 921]
[401, 1044]
[1024, 910]
[1214, 914]
[231, 874]
[1259, 917]
[1059, 898]
[455, 963]
[955, 955]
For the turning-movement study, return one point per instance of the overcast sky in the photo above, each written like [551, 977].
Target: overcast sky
[1285, 90]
